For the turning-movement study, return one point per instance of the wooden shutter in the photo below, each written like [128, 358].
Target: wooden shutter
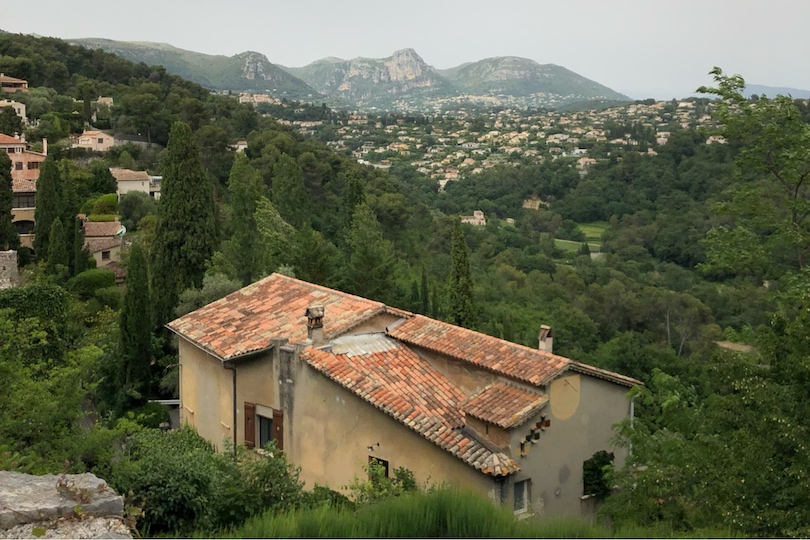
[250, 425]
[278, 428]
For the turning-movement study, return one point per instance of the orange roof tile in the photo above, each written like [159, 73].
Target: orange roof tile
[406, 387]
[8, 140]
[272, 308]
[504, 404]
[503, 357]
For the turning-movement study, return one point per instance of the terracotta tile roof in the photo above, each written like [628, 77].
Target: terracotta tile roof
[21, 185]
[94, 245]
[603, 374]
[6, 78]
[128, 175]
[503, 357]
[8, 140]
[504, 404]
[408, 388]
[272, 308]
[95, 229]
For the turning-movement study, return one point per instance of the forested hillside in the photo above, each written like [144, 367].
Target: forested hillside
[700, 244]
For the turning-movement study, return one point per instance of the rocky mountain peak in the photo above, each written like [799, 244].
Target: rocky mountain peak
[254, 65]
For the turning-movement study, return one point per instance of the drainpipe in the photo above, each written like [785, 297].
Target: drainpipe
[232, 368]
[632, 414]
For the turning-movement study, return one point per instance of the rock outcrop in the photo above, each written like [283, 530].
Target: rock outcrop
[51, 506]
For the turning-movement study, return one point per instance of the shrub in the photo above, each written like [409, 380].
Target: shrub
[102, 217]
[106, 204]
[88, 282]
[134, 206]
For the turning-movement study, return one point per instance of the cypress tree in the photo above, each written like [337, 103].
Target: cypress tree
[47, 205]
[186, 233]
[136, 328]
[462, 311]
[425, 293]
[80, 252]
[289, 194]
[9, 239]
[57, 248]
[353, 194]
[68, 206]
[245, 188]
[370, 269]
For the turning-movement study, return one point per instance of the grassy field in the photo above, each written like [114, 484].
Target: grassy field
[571, 246]
[593, 231]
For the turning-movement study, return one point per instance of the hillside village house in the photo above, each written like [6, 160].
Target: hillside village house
[103, 239]
[25, 166]
[12, 84]
[18, 107]
[95, 140]
[129, 180]
[338, 380]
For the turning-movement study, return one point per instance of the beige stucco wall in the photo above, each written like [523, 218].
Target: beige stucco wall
[333, 428]
[22, 214]
[115, 256]
[582, 410]
[126, 186]
[469, 379]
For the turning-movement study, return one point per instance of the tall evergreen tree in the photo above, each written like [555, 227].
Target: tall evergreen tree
[186, 234]
[462, 311]
[57, 248]
[245, 188]
[289, 194]
[353, 194]
[68, 208]
[371, 265]
[47, 205]
[9, 239]
[136, 329]
[80, 253]
[425, 293]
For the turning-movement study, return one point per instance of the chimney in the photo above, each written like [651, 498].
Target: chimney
[45, 146]
[545, 338]
[314, 315]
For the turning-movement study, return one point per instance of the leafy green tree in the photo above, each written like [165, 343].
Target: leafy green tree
[10, 123]
[136, 330]
[134, 206]
[424, 294]
[81, 255]
[460, 287]
[274, 236]
[103, 181]
[371, 265]
[770, 199]
[289, 194]
[315, 258]
[245, 188]
[186, 233]
[214, 287]
[9, 239]
[47, 205]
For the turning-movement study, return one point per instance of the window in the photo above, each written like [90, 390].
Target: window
[9, 150]
[105, 255]
[23, 200]
[33, 165]
[265, 430]
[382, 463]
[100, 140]
[18, 165]
[522, 495]
[264, 422]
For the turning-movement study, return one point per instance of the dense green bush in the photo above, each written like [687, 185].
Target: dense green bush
[106, 204]
[88, 282]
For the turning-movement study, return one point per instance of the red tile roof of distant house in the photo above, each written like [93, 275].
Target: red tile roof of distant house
[101, 228]
[128, 175]
[6, 140]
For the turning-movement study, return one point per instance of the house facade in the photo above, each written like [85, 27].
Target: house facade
[95, 140]
[25, 166]
[18, 107]
[129, 180]
[12, 84]
[337, 380]
[103, 239]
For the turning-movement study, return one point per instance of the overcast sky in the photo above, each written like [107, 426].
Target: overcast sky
[643, 48]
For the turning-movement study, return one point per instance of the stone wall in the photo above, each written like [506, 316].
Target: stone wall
[9, 276]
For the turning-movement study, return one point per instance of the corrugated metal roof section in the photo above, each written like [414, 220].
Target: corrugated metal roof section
[358, 344]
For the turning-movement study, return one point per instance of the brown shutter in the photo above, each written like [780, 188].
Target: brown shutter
[250, 425]
[278, 428]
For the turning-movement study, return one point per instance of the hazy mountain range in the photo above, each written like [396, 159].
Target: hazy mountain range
[401, 81]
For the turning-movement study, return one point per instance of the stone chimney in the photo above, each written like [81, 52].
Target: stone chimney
[9, 276]
[314, 315]
[545, 339]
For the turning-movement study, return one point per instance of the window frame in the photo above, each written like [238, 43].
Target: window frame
[523, 487]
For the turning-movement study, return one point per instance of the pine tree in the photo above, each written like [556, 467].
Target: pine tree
[136, 328]
[57, 248]
[245, 188]
[9, 239]
[289, 194]
[462, 311]
[371, 265]
[47, 205]
[186, 234]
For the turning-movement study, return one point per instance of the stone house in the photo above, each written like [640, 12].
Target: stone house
[95, 140]
[477, 219]
[337, 380]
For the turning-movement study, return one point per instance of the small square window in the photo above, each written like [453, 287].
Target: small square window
[522, 494]
[18, 165]
[105, 255]
[100, 140]
[381, 462]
